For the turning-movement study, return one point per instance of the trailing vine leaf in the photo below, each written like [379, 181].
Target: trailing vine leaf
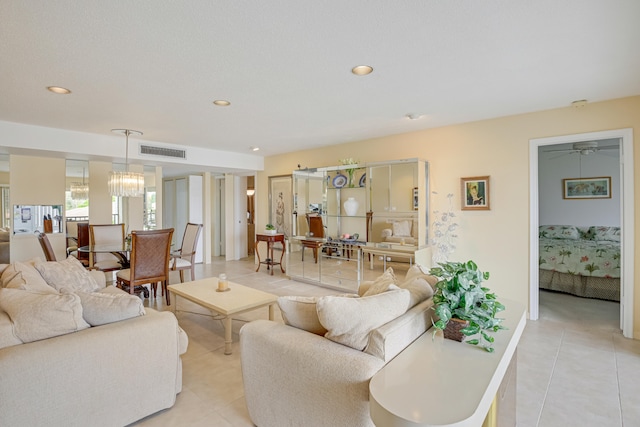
[459, 294]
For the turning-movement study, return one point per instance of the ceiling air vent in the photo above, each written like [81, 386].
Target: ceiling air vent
[161, 151]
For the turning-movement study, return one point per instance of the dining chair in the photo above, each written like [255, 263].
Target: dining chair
[316, 230]
[149, 262]
[184, 258]
[46, 246]
[78, 236]
[105, 234]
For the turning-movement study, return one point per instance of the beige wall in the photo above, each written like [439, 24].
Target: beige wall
[36, 181]
[498, 240]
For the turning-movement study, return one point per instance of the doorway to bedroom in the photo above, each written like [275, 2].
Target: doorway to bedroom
[578, 187]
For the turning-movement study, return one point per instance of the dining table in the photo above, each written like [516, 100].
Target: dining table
[120, 251]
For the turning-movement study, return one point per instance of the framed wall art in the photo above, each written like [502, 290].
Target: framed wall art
[474, 193]
[281, 203]
[587, 188]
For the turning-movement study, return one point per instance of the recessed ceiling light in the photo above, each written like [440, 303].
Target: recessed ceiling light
[413, 116]
[578, 104]
[59, 90]
[252, 148]
[362, 70]
[221, 103]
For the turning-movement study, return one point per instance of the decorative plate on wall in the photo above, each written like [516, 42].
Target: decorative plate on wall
[363, 180]
[339, 181]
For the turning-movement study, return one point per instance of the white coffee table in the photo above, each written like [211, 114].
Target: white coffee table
[238, 300]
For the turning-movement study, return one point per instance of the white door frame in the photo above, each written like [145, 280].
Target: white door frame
[627, 220]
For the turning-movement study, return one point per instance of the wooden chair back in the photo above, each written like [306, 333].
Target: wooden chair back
[83, 240]
[150, 254]
[46, 246]
[316, 228]
[149, 263]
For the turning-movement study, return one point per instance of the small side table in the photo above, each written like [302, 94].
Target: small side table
[270, 239]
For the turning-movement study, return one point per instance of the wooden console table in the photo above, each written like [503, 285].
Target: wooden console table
[270, 239]
[440, 382]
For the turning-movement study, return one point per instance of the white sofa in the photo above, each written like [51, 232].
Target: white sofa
[293, 377]
[108, 375]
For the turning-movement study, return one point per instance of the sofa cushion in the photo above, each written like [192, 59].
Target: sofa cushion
[300, 312]
[419, 284]
[23, 275]
[69, 273]
[7, 334]
[350, 320]
[382, 283]
[100, 308]
[37, 316]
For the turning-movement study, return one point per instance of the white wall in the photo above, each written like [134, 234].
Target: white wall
[195, 210]
[554, 167]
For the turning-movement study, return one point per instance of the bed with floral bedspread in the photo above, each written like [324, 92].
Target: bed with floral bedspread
[583, 261]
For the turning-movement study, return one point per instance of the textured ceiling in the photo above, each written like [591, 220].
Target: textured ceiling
[285, 65]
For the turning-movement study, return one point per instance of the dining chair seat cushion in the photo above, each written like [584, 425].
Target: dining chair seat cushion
[124, 274]
[180, 263]
[100, 308]
[69, 273]
[107, 265]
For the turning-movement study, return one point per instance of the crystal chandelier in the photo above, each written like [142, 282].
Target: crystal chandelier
[126, 183]
[79, 191]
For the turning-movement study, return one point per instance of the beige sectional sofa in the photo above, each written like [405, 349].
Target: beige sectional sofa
[297, 374]
[107, 375]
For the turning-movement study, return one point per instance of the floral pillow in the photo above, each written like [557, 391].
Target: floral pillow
[586, 233]
[607, 233]
[559, 232]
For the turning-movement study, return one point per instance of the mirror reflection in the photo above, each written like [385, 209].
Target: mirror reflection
[5, 210]
[77, 190]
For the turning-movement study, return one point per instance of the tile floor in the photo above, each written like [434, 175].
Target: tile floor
[574, 366]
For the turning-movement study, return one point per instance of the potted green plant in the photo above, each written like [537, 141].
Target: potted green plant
[460, 297]
[270, 229]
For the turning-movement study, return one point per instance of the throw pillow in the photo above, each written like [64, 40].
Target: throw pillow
[364, 286]
[417, 270]
[100, 308]
[69, 273]
[37, 316]
[23, 275]
[300, 312]
[402, 228]
[350, 320]
[419, 289]
[381, 284]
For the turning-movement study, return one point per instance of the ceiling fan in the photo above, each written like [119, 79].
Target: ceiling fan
[585, 148]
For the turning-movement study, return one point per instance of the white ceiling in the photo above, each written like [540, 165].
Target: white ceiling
[156, 66]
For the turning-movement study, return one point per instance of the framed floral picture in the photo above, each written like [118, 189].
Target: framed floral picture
[474, 193]
[587, 188]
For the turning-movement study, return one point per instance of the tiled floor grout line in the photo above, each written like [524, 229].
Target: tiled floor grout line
[615, 358]
[553, 369]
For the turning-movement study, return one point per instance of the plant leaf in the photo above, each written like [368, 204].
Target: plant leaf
[472, 342]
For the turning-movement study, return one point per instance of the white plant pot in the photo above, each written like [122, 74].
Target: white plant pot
[351, 206]
[272, 232]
